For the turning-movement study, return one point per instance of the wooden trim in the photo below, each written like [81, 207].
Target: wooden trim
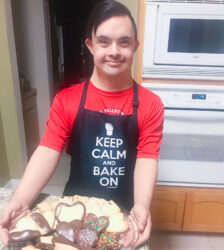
[139, 53]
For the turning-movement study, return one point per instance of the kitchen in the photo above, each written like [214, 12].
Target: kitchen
[165, 195]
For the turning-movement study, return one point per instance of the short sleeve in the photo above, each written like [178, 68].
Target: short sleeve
[150, 134]
[57, 132]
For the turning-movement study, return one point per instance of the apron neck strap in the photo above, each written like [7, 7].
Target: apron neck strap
[135, 102]
[84, 93]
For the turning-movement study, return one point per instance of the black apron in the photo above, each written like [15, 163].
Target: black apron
[103, 154]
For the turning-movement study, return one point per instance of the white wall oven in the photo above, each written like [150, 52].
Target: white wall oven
[184, 39]
[192, 151]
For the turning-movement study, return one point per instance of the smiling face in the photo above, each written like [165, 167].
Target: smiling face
[113, 46]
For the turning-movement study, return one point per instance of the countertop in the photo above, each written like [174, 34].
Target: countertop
[5, 195]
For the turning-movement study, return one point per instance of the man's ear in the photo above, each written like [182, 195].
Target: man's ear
[136, 44]
[89, 45]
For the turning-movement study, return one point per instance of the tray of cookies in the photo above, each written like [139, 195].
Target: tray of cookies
[71, 222]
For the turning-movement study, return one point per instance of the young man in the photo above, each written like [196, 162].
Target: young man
[112, 126]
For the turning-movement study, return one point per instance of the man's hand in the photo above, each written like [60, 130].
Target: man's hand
[145, 174]
[139, 229]
[130, 237]
[142, 218]
[9, 216]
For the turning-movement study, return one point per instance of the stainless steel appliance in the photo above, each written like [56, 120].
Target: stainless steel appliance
[192, 152]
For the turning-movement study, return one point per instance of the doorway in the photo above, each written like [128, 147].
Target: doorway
[72, 63]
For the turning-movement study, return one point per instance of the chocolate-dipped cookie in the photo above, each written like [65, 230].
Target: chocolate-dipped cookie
[69, 230]
[61, 243]
[28, 228]
[67, 213]
[45, 242]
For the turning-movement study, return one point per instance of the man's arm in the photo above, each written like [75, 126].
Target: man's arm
[39, 170]
[145, 175]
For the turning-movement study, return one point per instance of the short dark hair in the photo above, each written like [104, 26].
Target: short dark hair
[105, 10]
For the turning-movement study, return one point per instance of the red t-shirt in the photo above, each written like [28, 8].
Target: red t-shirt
[65, 107]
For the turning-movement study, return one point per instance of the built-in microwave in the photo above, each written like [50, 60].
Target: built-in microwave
[184, 39]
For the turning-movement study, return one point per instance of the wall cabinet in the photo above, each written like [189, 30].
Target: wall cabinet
[188, 209]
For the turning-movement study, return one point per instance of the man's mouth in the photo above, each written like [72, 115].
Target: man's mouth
[114, 63]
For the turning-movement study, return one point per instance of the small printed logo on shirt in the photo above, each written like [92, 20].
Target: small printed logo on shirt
[112, 111]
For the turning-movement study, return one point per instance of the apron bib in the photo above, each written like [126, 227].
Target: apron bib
[103, 154]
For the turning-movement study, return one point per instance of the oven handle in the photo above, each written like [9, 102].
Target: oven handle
[195, 116]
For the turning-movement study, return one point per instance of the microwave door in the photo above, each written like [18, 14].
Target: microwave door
[185, 37]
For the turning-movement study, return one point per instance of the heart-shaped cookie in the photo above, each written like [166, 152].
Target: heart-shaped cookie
[68, 213]
[29, 227]
[92, 221]
[69, 230]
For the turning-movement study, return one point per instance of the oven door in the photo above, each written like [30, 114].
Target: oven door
[192, 151]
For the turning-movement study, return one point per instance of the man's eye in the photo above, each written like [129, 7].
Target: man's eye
[103, 42]
[125, 43]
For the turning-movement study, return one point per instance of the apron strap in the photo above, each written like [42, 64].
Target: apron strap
[84, 93]
[135, 101]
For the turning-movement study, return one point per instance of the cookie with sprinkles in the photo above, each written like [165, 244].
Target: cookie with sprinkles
[92, 221]
[87, 238]
[108, 240]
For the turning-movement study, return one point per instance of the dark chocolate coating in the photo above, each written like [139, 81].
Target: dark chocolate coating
[21, 248]
[69, 229]
[16, 237]
[41, 222]
[60, 239]
[45, 246]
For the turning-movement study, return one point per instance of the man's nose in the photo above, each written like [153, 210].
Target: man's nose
[114, 49]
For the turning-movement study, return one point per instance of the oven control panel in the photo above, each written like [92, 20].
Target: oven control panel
[189, 97]
[194, 99]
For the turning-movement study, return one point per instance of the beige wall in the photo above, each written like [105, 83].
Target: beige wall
[4, 168]
[12, 128]
[31, 39]
[132, 6]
